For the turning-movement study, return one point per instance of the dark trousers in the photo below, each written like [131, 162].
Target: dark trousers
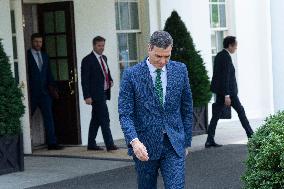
[171, 165]
[100, 117]
[44, 102]
[236, 104]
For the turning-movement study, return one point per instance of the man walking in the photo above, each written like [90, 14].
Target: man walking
[40, 80]
[96, 85]
[155, 110]
[224, 85]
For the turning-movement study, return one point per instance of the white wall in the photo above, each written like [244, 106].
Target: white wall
[154, 15]
[5, 32]
[254, 64]
[195, 15]
[277, 31]
[92, 18]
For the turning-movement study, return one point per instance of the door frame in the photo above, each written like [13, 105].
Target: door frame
[71, 38]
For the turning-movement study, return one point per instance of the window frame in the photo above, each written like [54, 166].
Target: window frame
[137, 32]
[215, 30]
[211, 15]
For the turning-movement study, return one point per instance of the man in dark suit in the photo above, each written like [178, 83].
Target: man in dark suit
[224, 85]
[40, 80]
[96, 85]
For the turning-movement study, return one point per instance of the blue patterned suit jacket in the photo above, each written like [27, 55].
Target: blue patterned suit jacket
[142, 116]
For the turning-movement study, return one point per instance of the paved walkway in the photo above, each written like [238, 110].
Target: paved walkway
[206, 168]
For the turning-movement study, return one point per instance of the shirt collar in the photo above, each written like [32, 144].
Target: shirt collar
[97, 55]
[153, 68]
[34, 51]
[227, 51]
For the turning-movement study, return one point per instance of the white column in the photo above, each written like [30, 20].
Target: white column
[5, 32]
[254, 63]
[17, 7]
[277, 38]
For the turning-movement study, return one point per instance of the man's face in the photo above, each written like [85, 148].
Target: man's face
[99, 47]
[233, 47]
[37, 43]
[159, 57]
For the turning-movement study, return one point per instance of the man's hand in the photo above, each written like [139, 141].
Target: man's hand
[227, 101]
[140, 150]
[89, 101]
[186, 151]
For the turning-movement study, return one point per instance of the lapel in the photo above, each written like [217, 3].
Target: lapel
[96, 61]
[147, 80]
[33, 61]
[146, 77]
[44, 61]
[170, 79]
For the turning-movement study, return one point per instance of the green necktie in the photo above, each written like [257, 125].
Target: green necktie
[159, 87]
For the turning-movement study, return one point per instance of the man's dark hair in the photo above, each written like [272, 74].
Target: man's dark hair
[161, 39]
[229, 40]
[36, 35]
[98, 39]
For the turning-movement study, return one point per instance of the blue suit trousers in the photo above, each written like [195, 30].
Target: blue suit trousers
[44, 102]
[171, 165]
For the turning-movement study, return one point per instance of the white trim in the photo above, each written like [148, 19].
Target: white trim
[21, 59]
[128, 31]
[127, 1]
[220, 29]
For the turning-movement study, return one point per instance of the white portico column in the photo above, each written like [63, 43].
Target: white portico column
[277, 38]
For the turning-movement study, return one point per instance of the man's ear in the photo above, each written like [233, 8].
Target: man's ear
[149, 47]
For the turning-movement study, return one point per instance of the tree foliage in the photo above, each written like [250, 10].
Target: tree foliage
[184, 51]
[11, 105]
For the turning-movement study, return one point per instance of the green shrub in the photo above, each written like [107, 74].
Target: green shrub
[265, 163]
[11, 105]
[184, 51]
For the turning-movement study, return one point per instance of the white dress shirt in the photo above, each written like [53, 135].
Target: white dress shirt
[230, 55]
[164, 80]
[106, 67]
[35, 55]
[153, 74]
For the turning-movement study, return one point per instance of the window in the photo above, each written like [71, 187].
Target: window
[14, 40]
[128, 30]
[218, 25]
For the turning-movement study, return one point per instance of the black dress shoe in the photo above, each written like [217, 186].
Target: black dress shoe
[212, 144]
[113, 147]
[250, 135]
[95, 148]
[54, 147]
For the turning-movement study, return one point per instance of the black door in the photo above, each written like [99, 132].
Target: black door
[56, 23]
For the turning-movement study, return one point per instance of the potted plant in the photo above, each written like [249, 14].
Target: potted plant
[11, 110]
[184, 51]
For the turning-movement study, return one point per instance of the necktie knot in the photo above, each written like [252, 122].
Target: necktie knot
[158, 71]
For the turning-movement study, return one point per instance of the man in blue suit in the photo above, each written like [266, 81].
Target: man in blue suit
[155, 112]
[40, 81]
